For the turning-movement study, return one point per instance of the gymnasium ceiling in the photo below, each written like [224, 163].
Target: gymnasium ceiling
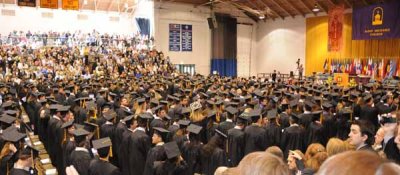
[271, 9]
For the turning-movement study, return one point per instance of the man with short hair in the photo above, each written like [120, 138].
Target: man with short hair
[361, 135]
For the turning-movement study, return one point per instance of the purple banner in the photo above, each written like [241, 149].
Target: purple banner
[187, 36]
[379, 21]
[175, 37]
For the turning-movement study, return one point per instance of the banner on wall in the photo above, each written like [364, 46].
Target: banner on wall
[27, 3]
[335, 29]
[70, 4]
[174, 37]
[51, 4]
[187, 36]
[379, 21]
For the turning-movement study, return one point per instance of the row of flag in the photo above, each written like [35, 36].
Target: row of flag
[377, 68]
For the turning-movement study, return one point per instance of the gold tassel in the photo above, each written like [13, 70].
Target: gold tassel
[218, 117]
[111, 152]
[320, 118]
[65, 137]
[97, 132]
[95, 114]
[8, 169]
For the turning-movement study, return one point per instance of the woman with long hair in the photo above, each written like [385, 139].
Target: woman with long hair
[213, 155]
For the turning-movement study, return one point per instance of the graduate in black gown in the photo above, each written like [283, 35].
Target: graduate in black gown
[236, 142]
[273, 131]
[174, 164]
[191, 150]
[139, 145]
[25, 163]
[328, 122]
[9, 153]
[156, 153]
[293, 137]
[126, 139]
[57, 133]
[108, 130]
[101, 164]
[68, 145]
[180, 135]
[315, 130]
[254, 133]
[213, 154]
[228, 123]
[80, 157]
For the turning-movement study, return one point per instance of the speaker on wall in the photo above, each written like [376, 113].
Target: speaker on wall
[212, 22]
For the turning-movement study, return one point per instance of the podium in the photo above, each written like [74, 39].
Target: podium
[342, 79]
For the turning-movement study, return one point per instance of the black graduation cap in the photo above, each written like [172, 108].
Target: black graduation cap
[102, 143]
[91, 106]
[8, 104]
[272, 114]
[316, 115]
[7, 119]
[293, 103]
[128, 118]
[231, 110]
[243, 118]
[11, 112]
[295, 117]
[109, 115]
[141, 100]
[172, 150]
[91, 127]
[163, 102]
[327, 105]
[255, 114]
[67, 124]
[185, 111]
[195, 129]
[309, 104]
[183, 123]
[220, 133]
[12, 135]
[63, 108]
[162, 132]
[367, 98]
[29, 151]
[157, 108]
[80, 134]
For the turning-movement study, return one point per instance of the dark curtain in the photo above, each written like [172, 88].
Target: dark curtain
[144, 26]
[224, 45]
[225, 67]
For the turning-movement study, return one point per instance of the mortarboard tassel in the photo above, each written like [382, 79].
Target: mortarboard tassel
[65, 137]
[111, 152]
[320, 118]
[97, 132]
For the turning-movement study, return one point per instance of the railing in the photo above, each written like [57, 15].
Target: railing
[281, 76]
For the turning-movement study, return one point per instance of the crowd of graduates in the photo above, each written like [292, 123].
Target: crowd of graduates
[139, 116]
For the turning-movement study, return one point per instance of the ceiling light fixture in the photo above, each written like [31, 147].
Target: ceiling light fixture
[85, 2]
[126, 5]
[316, 8]
[262, 16]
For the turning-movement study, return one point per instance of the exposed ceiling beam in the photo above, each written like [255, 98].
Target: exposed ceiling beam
[295, 8]
[272, 10]
[322, 7]
[348, 3]
[307, 7]
[282, 8]
[266, 14]
[331, 2]
[110, 5]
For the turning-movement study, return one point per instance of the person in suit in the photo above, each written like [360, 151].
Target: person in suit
[361, 135]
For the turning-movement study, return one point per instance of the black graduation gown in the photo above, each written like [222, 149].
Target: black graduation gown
[315, 133]
[168, 168]
[101, 167]
[191, 154]
[273, 134]
[210, 163]
[329, 127]
[370, 114]
[108, 130]
[80, 115]
[225, 126]
[211, 130]
[305, 120]
[81, 161]
[156, 153]
[236, 143]
[293, 138]
[44, 116]
[7, 162]
[123, 151]
[139, 146]
[54, 142]
[254, 139]
[391, 151]
[343, 127]
[68, 147]
[284, 120]
[19, 172]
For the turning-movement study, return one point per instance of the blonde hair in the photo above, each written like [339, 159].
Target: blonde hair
[262, 163]
[336, 146]
[275, 151]
[196, 116]
[5, 151]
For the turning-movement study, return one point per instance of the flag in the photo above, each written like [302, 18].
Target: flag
[392, 68]
[326, 64]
